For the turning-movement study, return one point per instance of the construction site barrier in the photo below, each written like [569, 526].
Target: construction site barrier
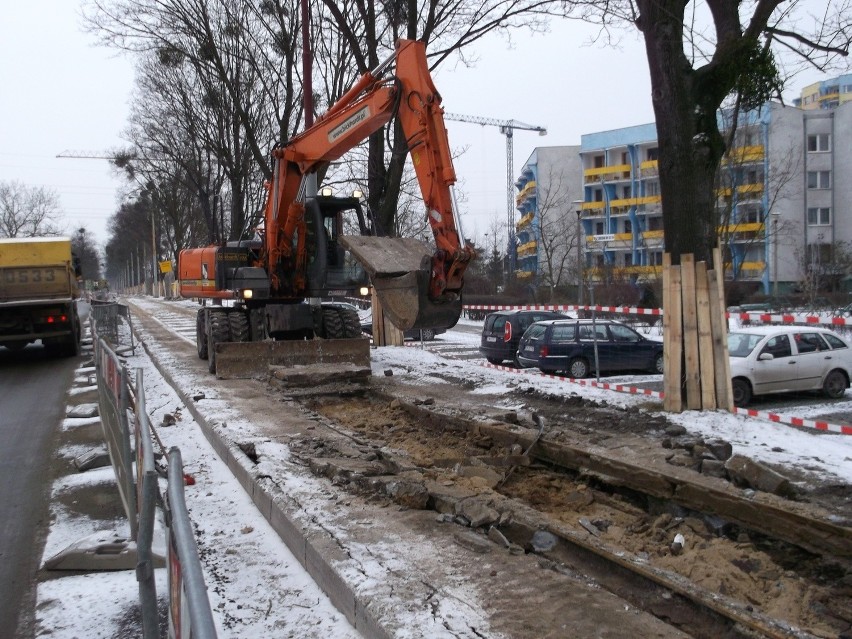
[189, 607]
[478, 311]
[147, 492]
[113, 403]
[105, 323]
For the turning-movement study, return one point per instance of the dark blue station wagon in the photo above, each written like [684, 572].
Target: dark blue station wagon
[502, 331]
[569, 346]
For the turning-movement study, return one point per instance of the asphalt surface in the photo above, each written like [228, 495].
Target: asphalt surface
[32, 404]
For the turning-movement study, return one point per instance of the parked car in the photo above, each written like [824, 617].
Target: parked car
[569, 346]
[426, 334]
[502, 331]
[777, 359]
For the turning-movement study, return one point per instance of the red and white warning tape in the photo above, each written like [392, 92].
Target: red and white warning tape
[765, 318]
[799, 422]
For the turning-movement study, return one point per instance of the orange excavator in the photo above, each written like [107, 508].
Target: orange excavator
[302, 252]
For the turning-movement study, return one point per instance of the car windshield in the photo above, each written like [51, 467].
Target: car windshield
[741, 344]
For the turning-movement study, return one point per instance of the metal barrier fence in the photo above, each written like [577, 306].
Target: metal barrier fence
[105, 322]
[189, 608]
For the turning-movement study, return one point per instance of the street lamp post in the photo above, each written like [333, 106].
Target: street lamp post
[577, 203]
[774, 217]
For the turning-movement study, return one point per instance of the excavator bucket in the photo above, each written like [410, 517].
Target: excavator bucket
[400, 269]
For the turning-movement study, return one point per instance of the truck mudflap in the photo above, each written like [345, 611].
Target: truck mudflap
[242, 360]
[399, 268]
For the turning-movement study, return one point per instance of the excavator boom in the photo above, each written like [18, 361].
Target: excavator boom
[418, 287]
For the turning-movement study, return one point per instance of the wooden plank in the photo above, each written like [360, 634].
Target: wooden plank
[705, 338]
[672, 336]
[719, 334]
[724, 393]
[691, 359]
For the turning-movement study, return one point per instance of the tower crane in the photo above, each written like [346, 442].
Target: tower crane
[507, 128]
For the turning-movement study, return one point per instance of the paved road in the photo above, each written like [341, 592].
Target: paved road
[32, 403]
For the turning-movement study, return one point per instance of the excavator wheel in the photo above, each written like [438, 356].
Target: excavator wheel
[239, 324]
[200, 335]
[218, 331]
[351, 323]
[332, 324]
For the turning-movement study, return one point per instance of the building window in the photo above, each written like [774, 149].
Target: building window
[599, 228]
[625, 192]
[652, 188]
[654, 153]
[819, 142]
[656, 258]
[628, 259]
[628, 227]
[819, 216]
[655, 223]
[599, 161]
[819, 179]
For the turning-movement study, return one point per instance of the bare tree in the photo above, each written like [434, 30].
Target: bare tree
[698, 61]
[557, 237]
[28, 211]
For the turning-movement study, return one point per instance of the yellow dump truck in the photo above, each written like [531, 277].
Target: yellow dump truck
[38, 294]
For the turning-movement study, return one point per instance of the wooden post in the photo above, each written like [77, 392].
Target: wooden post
[384, 333]
[724, 393]
[705, 338]
[690, 333]
[672, 336]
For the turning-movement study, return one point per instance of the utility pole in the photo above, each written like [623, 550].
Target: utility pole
[507, 128]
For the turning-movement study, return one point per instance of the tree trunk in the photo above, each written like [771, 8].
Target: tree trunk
[690, 145]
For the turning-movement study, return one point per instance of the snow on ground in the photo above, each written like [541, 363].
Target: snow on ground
[256, 587]
[811, 450]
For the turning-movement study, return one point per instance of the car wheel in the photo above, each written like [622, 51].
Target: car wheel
[200, 335]
[495, 360]
[835, 384]
[742, 392]
[658, 364]
[578, 368]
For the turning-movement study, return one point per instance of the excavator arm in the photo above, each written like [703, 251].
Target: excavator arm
[418, 287]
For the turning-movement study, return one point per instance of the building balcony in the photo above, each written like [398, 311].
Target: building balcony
[649, 168]
[527, 191]
[593, 208]
[747, 191]
[527, 249]
[622, 272]
[745, 154]
[524, 221]
[607, 173]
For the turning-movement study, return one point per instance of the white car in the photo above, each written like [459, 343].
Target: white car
[775, 359]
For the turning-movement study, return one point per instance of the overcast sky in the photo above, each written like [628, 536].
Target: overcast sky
[62, 93]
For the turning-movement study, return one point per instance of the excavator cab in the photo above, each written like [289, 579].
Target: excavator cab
[332, 270]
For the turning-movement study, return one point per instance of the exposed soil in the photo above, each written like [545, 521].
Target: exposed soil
[776, 579]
